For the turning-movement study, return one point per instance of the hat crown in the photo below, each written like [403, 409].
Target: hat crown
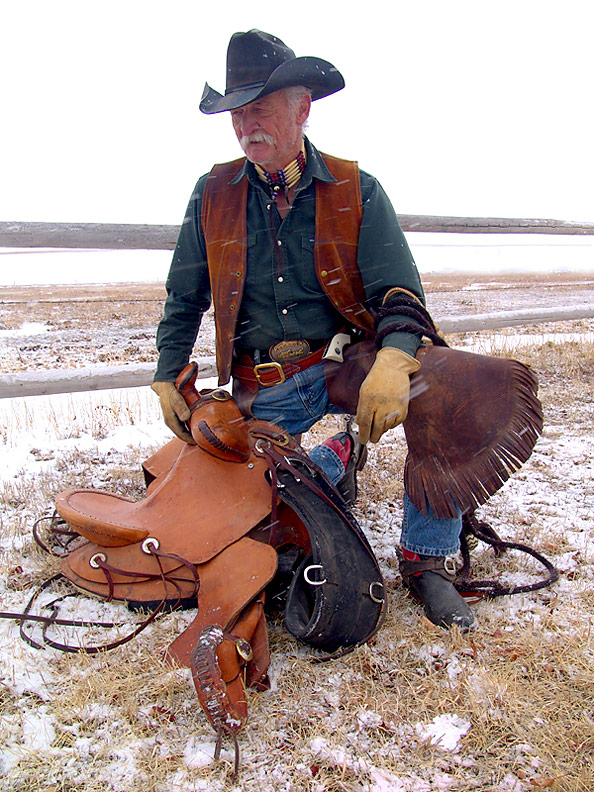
[252, 57]
[259, 64]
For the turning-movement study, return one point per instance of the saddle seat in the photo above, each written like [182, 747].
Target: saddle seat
[181, 505]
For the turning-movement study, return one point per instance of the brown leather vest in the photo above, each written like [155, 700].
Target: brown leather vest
[338, 219]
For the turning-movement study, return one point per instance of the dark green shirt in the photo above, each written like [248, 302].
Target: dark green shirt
[282, 298]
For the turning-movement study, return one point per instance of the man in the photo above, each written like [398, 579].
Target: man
[302, 253]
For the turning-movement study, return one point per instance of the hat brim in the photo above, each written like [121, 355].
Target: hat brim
[320, 76]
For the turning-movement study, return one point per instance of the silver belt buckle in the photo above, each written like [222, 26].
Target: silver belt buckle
[286, 351]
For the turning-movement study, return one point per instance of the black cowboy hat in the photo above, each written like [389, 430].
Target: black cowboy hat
[258, 64]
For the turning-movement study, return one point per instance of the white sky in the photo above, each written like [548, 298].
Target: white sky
[461, 108]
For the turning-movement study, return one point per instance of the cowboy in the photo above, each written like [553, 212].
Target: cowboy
[302, 255]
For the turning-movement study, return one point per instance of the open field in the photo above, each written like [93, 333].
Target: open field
[508, 708]
[76, 326]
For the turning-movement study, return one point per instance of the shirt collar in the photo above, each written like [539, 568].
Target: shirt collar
[315, 168]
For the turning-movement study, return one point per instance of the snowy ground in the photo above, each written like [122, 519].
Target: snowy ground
[509, 708]
[433, 252]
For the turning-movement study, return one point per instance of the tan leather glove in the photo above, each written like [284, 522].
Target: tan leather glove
[384, 393]
[175, 410]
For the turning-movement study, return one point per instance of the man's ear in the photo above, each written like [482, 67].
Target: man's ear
[304, 108]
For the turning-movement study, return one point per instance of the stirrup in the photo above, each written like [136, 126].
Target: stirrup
[347, 486]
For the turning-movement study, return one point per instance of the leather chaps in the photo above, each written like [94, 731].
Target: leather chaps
[472, 421]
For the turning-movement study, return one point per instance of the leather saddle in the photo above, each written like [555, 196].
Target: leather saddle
[241, 516]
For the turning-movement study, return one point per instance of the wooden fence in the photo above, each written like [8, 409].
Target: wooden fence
[40, 383]
[163, 237]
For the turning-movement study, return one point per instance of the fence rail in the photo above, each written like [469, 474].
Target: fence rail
[104, 236]
[163, 237]
[43, 383]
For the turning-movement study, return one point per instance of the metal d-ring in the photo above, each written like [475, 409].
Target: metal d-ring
[149, 542]
[220, 395]
[262, 444]
[244, 649]
[95, 558]
[449, 564]
[306, 575]
[373, 596]
[301, 461]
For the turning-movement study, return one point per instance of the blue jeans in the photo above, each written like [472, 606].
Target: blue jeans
[300, 402]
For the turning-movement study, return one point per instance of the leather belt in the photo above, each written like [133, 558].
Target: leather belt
[267, 374]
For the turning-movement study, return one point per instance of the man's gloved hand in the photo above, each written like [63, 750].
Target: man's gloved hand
[384, 393]
[175, 409]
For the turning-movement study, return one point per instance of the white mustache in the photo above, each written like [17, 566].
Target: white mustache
[256, 137]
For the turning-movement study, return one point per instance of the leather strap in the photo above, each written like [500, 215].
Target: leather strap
[441, 565]
[268, 374]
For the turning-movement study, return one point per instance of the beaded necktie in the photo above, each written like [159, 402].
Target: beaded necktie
[286, 177]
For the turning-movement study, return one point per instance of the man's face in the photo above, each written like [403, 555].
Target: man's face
[269, 130]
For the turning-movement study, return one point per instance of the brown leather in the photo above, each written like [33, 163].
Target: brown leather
[244, 629]
[162, 460]
[268, 374]
[216, 423]
[249, 564]
[472, 421]
[181, 509]
[338, 218]
[256, 672]
[343, 380]
[186, 384]
[78, 508]
[224, 225]
[180, 519]
[181, 543]
[339, 211]
[219, 675]
[228, 583]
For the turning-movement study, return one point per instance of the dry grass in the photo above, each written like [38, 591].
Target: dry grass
[115, 323]
[126, 722]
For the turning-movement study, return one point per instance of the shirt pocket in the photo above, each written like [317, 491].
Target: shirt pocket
[306, 271]
[255, 268]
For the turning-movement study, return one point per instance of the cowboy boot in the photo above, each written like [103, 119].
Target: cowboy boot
[430, 579]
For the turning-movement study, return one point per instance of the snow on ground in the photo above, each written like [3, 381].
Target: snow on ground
[552, 495]
[433, 253]
[30, 266]
[26, 330]
[554, 490]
